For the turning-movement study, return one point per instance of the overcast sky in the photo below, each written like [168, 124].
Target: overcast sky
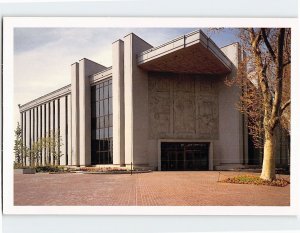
[43, 56]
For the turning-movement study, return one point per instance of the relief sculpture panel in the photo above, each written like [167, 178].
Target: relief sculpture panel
[159, 107]
[182, 106]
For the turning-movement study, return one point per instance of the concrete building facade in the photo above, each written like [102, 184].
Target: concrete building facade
[162, 108]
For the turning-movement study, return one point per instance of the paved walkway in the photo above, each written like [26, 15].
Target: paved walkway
[154, 189]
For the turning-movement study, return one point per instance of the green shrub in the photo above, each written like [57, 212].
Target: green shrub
[49, 168]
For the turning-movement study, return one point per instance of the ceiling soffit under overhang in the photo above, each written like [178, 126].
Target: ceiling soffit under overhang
[191, 53]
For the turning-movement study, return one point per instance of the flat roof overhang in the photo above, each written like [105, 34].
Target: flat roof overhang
[191, 53]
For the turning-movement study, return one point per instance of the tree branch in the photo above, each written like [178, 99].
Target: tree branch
[285, 105]
[265, 37]
[255, 38]
[286, 63]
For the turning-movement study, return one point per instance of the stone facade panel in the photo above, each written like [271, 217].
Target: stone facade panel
[182, 106]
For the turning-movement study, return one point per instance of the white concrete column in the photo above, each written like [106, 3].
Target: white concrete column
[51, 120]
[23, 130]
[86, 68]
[118, 102]
[69, 129]
[36, 128]
[27, 133]
[231, 129]
[136, 99]
[42, 131]
[75, 113]
[31, 133]
[55, 123]
[47, 130]
[62, 119]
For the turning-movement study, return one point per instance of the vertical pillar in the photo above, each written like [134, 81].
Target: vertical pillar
[47, 151]
[36, 124]
[27, 134]
[62, 130]
[42, 131]
[22, 134]
[86, 68]
[118, 102]
[69, 129]
[231, 129]
[31, 136]
[75, 113]
[51, 120]
[56, 127]
[135, 96]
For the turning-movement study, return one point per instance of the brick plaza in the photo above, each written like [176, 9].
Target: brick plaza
[144, 189]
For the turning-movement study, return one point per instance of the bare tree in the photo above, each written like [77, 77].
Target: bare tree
[264, 76]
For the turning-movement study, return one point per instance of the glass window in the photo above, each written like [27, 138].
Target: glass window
[97, 95]
[94, 124]
[97, 110]
[110, 90]
[101, 119]
[102, 122]
[105, 92]
[110, 120]
[105, 106]
[97, 123]
[93, 93]
[106, 121]
[101, 108]
[100, 158]
[93, 134]
[93, 110]
[101, 133]
[106, 133]
[110, 106]
[94, 142]
[101, 93]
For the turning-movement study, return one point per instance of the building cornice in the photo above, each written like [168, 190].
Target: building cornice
[46, 98]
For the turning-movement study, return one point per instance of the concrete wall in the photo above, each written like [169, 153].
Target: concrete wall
[62, 129]
[38, 121]
[86, 68]
[135, 97]
[229, 147]
[181, 107]
[118, 102]
[75, 113]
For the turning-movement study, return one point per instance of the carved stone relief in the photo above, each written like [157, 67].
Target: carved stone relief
[182, 106]
[184, 111]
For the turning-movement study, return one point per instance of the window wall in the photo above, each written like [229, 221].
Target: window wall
[102, 122]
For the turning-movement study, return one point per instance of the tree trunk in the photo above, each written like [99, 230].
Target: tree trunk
[268, 169]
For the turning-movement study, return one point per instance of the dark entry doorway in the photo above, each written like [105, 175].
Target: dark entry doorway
[184, 156]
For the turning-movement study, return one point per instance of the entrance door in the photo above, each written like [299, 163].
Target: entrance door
[184, 156]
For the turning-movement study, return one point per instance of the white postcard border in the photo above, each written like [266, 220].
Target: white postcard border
[130, 22]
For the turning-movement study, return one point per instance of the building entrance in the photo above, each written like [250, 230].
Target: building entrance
[184, 156]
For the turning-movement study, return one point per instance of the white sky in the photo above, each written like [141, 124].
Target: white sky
[43, 56]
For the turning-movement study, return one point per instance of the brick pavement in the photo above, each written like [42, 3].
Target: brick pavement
[146, 189]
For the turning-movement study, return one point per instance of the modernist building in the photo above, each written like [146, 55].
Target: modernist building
[163, 107]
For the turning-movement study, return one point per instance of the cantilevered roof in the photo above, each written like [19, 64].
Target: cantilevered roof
[190, 53]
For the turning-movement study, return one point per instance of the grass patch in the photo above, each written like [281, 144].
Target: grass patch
[250, 179]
